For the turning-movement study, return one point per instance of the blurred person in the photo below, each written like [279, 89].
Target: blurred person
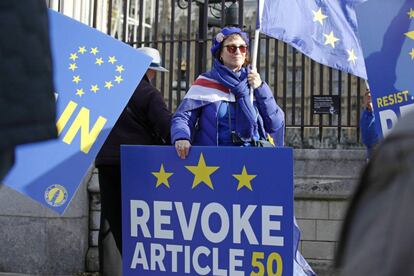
[27, 101]
[145, 120]
[369, 133]
[217, 109]
[377, 233]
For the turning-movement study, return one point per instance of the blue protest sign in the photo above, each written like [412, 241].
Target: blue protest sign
[221, 211]
[388, 46]
[94, 75]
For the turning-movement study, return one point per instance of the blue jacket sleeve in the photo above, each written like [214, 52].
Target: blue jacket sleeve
[183, 124]
[273, 116]
[368, 130]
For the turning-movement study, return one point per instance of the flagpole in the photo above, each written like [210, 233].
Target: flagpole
[254, 57]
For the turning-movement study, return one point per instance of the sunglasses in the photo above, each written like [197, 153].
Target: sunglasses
[233, 48]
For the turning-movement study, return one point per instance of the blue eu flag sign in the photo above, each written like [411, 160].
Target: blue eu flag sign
[388, 44]
[325, 31]
[94, 75]
[221, 211]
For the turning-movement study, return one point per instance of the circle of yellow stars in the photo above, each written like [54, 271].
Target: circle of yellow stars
[331, 39]
[99, 60]
[202, 174]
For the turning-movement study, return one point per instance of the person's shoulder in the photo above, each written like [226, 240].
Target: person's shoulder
[145, 87]
[207, 74]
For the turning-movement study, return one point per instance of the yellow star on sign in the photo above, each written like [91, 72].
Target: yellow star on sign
[120, 68]
[108, 84]
[76, 79]
[412, 53]
[410, 34]
[202, 173]
[319, 16]
[94, 51]
[351, 56]
[244, 179]
[118, 79]
[112, 60]
[73, 56]
[82, 50]
[330, 39]
[99, 61]
[162, 177]
[72, 66]
[411, 13]
[270, 139]
[79, 92]
[94, 88]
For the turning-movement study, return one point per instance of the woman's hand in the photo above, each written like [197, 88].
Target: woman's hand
[254, 79]
[182, 147]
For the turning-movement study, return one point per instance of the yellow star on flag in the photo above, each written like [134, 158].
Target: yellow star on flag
[79, 92]
[330, 39]
[202, 173]
[162, 177]
[120, 69]
[108, 84]
[94, 88]
[94, 51]
[244, 179]
[72, 66]
[73, 56]
[411, 13]
[82, 50]
[76, 79]
[319, 16]
[99, 61]
[410, 35]
[118, 79]
[412, 53]
[351, 56]
[112, 60]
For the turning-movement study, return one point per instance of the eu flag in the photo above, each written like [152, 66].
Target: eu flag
[94, 75]
[325, 31]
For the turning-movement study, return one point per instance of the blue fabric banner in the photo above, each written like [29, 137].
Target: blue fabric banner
[325, 31]
[221, 211]
[95, 75]
[388, 45]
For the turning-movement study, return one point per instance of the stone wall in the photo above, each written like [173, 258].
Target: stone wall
[324, 181]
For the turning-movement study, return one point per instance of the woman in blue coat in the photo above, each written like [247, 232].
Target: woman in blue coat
[217, 110]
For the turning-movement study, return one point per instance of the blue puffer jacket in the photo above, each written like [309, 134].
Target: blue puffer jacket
[200, 125]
